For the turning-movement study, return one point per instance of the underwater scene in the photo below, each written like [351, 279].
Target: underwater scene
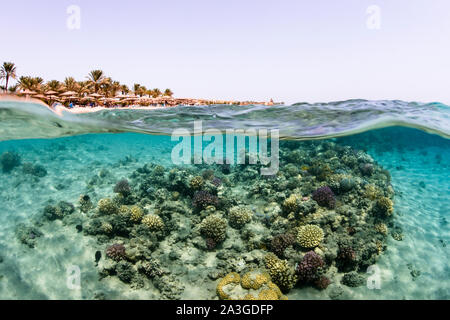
[355, 206]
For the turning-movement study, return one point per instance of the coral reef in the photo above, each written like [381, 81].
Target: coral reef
[323, 216]
[309, 236]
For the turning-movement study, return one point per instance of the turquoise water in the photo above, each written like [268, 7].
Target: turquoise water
[37, 253]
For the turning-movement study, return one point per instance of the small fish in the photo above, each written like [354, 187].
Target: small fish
[98, 256]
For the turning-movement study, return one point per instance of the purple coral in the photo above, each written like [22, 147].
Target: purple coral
[122, 187]
[308, 269]
[324, 197]
[211, 244]
[202, 199]
[322, 283]
[280, 242]
[216, 182]
[116, 252]
[346, 259]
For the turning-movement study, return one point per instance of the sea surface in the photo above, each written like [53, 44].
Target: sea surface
[62, 157]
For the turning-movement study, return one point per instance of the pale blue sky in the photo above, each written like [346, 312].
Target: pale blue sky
[288, 50]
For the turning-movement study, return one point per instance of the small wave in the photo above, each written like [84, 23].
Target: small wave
[31, 119]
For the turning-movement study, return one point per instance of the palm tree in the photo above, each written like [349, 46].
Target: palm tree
[30, 83]
[168, 92]
[83, 87]
[70, 84]
[124, 88]
[8, 70]
[155, 93]
[54, 85]
[13, 89]
[96, 78]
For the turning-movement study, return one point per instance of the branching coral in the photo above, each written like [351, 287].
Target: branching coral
[107, 206]
[153, 222]
[310, 236]
[122, 187]
[196, 183]
[280, 242]
[239, 216]
[136, 214]
[291, 203]
[203, 199]
[116, 252]
[324, 196]
[384, 207]
[280, 272]
[214, 227]
[309, 268]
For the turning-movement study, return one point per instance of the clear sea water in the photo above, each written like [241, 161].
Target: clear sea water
[410, 140]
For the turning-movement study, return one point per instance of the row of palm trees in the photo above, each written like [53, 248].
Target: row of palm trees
[96, 82]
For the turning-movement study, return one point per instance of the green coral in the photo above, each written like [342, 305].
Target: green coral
[310, 236]
[239, 216]
[214, 227]
[280, 272]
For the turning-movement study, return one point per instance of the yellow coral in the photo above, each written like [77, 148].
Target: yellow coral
[107, 227]
[267, 295]
[136, 214]
[196, 183]
[280, 272]
[124, 210]
[153, 221]
[310, 236]
[371, 192]
[232, 277]
[252, 280]
[381, 228]
[107, 206]
[385, 206]
[253, 285]
[291, 203]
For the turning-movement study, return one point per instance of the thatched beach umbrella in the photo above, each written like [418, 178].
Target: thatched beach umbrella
[68, 94]
[51, 92]
[27, 92]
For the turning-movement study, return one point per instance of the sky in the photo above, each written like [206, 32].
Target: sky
[288, 50]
